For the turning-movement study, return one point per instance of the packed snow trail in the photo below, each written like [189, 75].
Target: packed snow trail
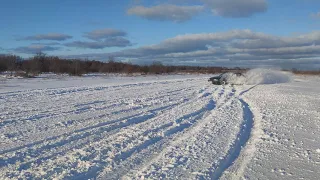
[286, 138]
[166, 128]
[114, 131]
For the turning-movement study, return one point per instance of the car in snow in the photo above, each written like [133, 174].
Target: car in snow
[226, 78]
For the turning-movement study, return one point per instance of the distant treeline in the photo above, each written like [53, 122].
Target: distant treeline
[301, 72]
[41, 63]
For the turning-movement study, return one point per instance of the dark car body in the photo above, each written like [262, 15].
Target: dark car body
[217, 80]
[222, 78]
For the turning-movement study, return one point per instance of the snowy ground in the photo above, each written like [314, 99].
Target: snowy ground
[158, 127]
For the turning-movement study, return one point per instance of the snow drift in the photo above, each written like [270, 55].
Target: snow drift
[260, 76]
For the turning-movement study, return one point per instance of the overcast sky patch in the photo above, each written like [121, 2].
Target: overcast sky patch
[33, 49]
[315, 15]
[102, 38]
[237, 8]
[166, 12]
[104, 34]
[49, 36]
[236, 46]
[109, 42]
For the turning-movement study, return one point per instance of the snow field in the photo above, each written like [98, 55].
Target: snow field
[289, 117]
[166, 127]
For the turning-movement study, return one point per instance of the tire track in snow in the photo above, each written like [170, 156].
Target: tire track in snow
[53, 148]
[224, 96]
[169, 131]
[93, 90]
[236, 171]
[78, 110]
[130, 122]
[75, 121]
[115, 112]
[241, 140]
[126, 154]
[119, 123]
[166, 140]
[69, 90]
[61, 112]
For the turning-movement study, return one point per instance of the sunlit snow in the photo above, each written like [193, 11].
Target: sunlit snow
[160, 127]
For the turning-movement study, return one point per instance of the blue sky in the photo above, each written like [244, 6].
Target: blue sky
[181, 32]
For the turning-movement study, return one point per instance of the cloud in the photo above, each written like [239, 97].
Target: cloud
[179, 13]
[104, 33]
[33, 49]
[109, 42]
[102, 38]
[231, 48]
[50, 36]
[278, 42]
[47, 44]
[166, 12]
[236, 8]
[315, 15]
[195, 42]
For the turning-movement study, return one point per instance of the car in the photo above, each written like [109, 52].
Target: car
[225, 78]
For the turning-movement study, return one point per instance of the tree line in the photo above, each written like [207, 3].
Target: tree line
[41, 63]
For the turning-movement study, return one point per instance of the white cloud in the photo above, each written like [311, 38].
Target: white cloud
[49, 36]
[166, 12]
[33, 49]
[236, 8]
[104, 33]
[110, 42]
[179, 13]
[278, 42]
[232, 48]
[315, 15]
[102, 38]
